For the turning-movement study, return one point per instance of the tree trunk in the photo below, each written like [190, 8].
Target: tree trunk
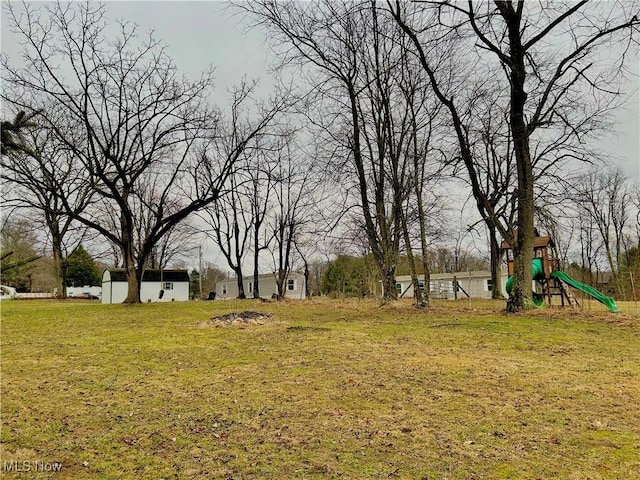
[417, 293]
[280, 285]
[520, 296]
[256, 283]
[240, 282]
[307, 291]
[389, 292]
[256, 249]
[496, 277]
[418, 186]
[59, 264]
[133, 283]
[134, 275]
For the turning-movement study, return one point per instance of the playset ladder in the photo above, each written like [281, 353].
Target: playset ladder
[566, 291]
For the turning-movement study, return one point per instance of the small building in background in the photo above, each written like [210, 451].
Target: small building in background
[156, 286]
[474, 284]
[294, 286]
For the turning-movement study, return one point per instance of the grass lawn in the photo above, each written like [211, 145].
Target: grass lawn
[329, 389]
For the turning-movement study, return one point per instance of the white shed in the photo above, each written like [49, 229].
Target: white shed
[294, 286]
[474, 284]
[156, 286]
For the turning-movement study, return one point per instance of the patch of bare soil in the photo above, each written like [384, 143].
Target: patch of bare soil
[239, 320]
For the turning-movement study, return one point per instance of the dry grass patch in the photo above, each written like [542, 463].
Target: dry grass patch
[342, 389]
[243, 319]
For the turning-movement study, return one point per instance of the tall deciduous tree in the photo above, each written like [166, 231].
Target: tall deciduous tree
[259, 190]
[146, 136]
[353, 56]
[543, 83]
[39, 174]
[295, 194]
[236, 217]
[230, 222]
[604, 200]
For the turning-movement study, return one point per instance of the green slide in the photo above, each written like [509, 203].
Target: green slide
[538, 274]
[589, 290]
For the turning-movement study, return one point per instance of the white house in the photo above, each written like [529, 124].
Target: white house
[474, 284]
[156, 286]
[294, 286]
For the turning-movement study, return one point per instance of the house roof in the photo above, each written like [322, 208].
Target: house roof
[120, 275]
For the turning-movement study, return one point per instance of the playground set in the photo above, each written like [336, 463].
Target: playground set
[551, 282]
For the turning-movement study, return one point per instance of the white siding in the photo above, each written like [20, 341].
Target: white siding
[441, 285]
[116, 292]
[266, 283]
[106, 288]
[150, 292]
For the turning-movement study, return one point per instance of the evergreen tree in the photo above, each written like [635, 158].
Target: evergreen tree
[81, 269]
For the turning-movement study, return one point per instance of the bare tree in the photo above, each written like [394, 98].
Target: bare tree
[603, 198]
[231, 225]
[36, 172]
[543, 85]
[260, 189]
[355, 54]
[295, 183]
[237, 218]
[146, 136]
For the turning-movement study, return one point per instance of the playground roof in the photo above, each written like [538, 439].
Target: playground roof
[538, 242]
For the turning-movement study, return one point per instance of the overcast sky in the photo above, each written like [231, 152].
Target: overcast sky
[199, 34]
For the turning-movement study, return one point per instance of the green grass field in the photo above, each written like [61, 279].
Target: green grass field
[329, 389]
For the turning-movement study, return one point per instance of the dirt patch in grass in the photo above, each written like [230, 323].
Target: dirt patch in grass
[244, 319]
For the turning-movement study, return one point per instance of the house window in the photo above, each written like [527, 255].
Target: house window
[167, 285]
[399, 287]
[489, 285]
[224, 288]
[291, 284]
[421, 285]
[250, 287]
